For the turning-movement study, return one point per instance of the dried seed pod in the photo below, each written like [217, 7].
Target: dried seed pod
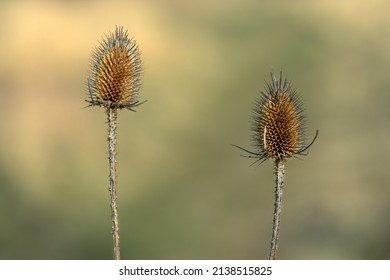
[115, 76]
[113, 83]
[278, 132]
[278, 126]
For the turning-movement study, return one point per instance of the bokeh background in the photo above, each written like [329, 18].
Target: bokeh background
[184, 191]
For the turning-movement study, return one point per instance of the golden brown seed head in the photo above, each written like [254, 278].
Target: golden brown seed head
[114, 78]
[278, 126]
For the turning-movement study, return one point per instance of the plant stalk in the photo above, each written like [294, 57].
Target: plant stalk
[112, 117]
[279, 172]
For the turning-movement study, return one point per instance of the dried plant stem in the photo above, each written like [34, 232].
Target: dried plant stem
[279, 172]
[112, 117]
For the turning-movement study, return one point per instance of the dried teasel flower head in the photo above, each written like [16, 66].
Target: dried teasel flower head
[278, 125]
[115, 75]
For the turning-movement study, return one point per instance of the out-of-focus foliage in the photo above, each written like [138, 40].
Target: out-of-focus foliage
[184, 192]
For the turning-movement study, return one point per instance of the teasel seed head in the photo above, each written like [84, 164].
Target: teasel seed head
[278, 125]
[114, 79]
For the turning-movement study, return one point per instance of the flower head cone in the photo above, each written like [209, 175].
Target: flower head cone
[115, 75]
[278, 124]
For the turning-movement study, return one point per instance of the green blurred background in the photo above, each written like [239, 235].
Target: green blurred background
[184, 192]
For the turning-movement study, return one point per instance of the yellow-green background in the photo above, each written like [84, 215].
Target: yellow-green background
[184, 192]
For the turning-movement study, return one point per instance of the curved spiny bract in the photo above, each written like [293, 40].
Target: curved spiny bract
[115, 76]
